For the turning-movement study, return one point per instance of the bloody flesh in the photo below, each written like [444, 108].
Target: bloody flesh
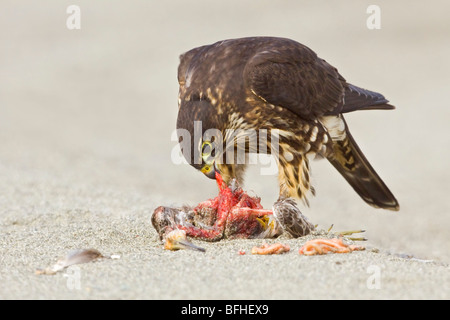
[232, 214]
[236, 214]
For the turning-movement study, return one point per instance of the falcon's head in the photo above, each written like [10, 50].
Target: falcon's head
[200, 134]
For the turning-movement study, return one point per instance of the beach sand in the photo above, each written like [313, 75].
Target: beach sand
[86, 120]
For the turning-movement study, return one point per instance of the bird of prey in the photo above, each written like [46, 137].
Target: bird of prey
[241, 86]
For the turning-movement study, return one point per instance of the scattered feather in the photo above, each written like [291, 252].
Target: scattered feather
[74, 257]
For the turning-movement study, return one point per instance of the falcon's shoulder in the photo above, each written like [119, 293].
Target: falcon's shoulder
[291, 75]
[186, 59]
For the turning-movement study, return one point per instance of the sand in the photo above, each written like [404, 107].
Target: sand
[86, 118]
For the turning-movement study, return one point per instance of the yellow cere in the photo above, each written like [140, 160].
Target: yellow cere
[206, 169]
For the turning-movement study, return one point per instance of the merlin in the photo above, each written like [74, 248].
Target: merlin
[233, 89]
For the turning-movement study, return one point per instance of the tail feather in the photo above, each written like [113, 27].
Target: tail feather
[349, 160]
[356, 98]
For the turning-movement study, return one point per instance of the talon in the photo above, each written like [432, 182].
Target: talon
[263, 222]
[266, 222]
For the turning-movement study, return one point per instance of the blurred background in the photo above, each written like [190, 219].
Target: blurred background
[86, 116]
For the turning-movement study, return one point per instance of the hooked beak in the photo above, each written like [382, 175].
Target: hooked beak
[210, 171]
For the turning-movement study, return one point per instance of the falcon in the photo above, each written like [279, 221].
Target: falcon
[232, 90]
